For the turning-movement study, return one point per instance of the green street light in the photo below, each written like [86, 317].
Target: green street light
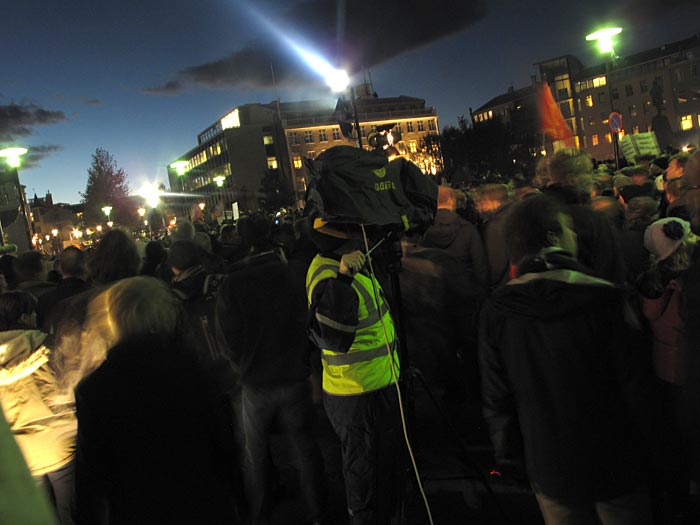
[12, 156]
[107, 210]
[219, 179]
[604, 38]
[180, 167]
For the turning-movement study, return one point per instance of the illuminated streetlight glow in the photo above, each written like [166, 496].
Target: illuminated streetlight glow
[180, 167]
[107, 210]
[219, 180]
[12, 156]
[141, 211]
[54, 232]
[110, 223]
[604, 38]
[151, 193]
[202, 205]
[99, 227]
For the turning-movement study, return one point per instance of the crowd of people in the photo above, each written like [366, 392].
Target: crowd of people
[142, 384]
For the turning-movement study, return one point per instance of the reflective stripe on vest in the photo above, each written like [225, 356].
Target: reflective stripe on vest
[350, 358]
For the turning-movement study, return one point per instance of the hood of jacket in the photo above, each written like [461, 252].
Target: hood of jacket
[555, 292]
[21, 353]
[444, 230]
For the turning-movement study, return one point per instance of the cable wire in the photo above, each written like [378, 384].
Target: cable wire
[395, 376]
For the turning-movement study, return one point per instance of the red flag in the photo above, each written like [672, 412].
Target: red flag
[552, 121]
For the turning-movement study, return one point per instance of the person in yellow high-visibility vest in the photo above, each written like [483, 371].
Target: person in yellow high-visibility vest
[355, 333]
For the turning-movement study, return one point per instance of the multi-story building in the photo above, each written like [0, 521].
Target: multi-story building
[636, 86]
[666, 78]
[257, 140]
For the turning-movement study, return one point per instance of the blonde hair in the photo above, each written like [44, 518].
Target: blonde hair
[140, 306]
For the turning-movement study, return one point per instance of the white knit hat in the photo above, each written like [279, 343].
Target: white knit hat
[664, 236]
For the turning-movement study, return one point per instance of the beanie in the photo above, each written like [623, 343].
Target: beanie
[664, 236]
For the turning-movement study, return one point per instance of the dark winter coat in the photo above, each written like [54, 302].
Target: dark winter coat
[461, 240]
[152, 445]
[261, 315]
[562, 374]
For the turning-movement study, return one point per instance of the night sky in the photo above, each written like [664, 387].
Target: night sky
[141, 79]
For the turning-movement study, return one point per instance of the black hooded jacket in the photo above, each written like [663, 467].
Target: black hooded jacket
[562, 373]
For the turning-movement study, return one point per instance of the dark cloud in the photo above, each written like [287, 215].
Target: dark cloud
[362, 35]
[38, 153]
[649, 11]
[92, 101]
[169, 88]
[17, 120]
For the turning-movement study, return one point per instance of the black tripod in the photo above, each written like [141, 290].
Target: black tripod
[391, 254]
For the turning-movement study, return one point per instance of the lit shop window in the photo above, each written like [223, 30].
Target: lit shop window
[687, 122]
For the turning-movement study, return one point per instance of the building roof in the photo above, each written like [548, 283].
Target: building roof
[507, 98]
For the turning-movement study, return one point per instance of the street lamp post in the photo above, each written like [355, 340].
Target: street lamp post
[13, 158]
[604, 39]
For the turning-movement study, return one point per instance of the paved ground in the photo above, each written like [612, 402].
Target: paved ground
[448, 468]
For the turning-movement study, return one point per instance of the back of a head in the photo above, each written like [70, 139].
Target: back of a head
[255, 230]
[228, 235]
[141, 306]
[641, 212]
[13, 305]
[674, 188]
[156, 252]
[29, 266]
[529, 225]
[446, 198]
[116, 257]
[72, 263]
[184, 255]
[568, 166]
[612, 208]
[203, 241]
[185, 231]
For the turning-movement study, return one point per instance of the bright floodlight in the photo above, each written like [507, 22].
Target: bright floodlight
[107, 210]
[219, 179]
[338, 80]
[13, 156]
[604, 38]
[151, 193]
[179, 166]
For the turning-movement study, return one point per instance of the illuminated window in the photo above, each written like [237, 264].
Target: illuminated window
[232, 120]
[293, 139]
[432, 126]
[589, 101]
[272, 163]
[490, 114]
[699, 121]
[421, 127]
[308, 136]
[608, 137]
[687, 122]
[322, 137]
[594, 140]
[599, 81]
[267, 139]
[409, 127]
[311, 154]
[336, 133]
[297, 162]
[413, 146]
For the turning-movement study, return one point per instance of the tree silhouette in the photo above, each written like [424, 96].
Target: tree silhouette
[106, 186]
